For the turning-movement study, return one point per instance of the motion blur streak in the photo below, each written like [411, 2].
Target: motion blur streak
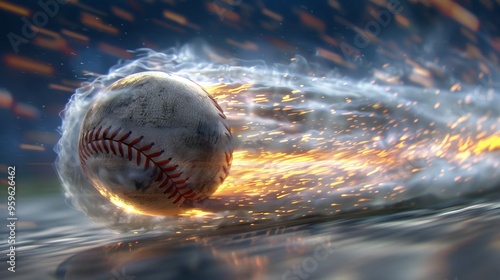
[309, 143]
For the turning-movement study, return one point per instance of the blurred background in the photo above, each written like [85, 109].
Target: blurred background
[42, 65]
[49, 48]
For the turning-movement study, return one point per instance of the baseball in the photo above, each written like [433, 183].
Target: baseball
[155, 143]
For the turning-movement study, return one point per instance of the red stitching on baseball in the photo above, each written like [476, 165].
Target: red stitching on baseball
[92, 140]
[97, 142]
[229, 153]
[214, 102]
[227, 128]
[90, 144]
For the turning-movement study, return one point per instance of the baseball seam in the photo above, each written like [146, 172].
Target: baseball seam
[94, 142]
[228, 153]
[97, 141]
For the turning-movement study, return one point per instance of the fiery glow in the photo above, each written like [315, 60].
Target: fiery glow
[118, 201]
[489, 144]
[352, 171]
[196, 213]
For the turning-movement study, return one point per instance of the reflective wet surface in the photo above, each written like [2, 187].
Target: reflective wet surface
[452, 243]
[367, 138]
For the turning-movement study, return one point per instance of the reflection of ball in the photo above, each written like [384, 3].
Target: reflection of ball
[153, 143]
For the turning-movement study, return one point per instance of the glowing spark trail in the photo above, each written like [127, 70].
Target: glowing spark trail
[312, 144]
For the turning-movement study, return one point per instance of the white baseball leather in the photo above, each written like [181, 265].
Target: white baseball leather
[155, 143]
